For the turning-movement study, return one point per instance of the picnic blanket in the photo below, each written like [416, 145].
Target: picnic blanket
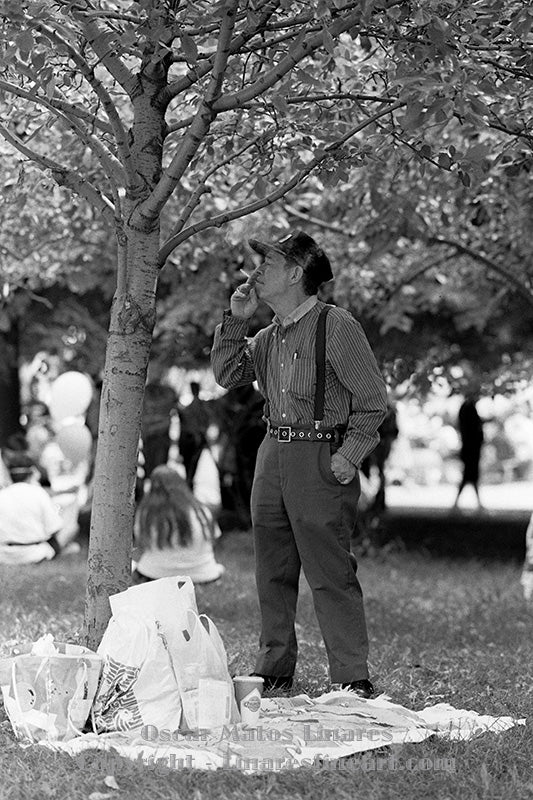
[293, 732]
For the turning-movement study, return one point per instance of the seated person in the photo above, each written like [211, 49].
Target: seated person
[174, 531]
[5, 480]
[526, 579]
[29, 519]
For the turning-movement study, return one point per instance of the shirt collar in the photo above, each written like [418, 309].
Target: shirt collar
[298, 312]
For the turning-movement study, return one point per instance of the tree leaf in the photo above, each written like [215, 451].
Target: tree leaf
[50, 87]
[322, 9]
[188, 45]
[25, 41]
[260, 187]
[280, 103]
[444, 160]
[328, 41]
[38, 60]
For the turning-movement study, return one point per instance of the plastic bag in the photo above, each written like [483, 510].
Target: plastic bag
[48, 692]
[140, 647]
[165, 598]
[138, 685]
[206, 686]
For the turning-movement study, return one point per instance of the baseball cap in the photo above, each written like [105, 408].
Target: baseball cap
[300, 248]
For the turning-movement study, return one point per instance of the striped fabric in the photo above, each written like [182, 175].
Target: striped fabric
[282, 360]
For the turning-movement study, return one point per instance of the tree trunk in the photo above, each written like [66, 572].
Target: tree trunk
[113, 507]
[126, 364]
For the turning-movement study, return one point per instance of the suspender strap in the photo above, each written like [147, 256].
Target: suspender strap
[320, 359]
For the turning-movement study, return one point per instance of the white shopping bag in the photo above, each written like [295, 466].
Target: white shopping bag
[164, 665]
[205, 683]
[138, 686]
[164, 599]
[48, 695]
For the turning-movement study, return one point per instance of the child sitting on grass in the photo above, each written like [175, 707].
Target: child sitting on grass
[174, 531]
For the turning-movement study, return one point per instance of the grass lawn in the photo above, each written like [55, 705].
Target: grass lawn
[441, 630]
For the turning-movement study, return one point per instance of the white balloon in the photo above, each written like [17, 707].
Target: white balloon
[70, 395]
[75, 441]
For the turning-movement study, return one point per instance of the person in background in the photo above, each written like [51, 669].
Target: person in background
[174, 532]
[159, 402]
[194, 421]
[388, 432]
[471, 432]
[306, 484]
[38, 434]
[5, 480]
[242, 429]
[526, 578]
[30, 522]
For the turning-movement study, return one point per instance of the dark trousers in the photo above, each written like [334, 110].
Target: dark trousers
[155, 451]
[191, 449]
[303, 518]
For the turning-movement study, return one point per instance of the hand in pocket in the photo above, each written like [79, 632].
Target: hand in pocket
[343, 469]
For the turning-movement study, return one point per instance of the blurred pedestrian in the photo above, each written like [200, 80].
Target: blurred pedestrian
[159, 402]
[388, 433]
[194, 422]
[174, 531]
[242, 429]
[471, 433]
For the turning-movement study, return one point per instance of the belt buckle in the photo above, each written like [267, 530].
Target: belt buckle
[284, 433]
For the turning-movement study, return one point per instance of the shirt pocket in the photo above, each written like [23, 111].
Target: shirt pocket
[303, 378]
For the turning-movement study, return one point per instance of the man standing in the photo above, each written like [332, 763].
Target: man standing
[306, 484]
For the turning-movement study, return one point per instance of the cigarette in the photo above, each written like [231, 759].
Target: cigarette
[251, 279]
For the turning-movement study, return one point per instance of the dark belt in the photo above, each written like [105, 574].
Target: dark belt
[288, 433]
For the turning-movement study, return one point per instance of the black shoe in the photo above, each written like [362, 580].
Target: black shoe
[363, 688]
[270, 682]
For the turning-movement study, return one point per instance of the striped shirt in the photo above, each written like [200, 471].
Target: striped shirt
[281, 357]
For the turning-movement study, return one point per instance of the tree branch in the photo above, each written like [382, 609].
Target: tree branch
[317, 98]
[301, 99]
[64, 176]
[294, 56]
[99, 41]
[487, 262]
[63, 105]
[194, 75]
[111, 165]
[320, 223]
[202, 189]
[222, 219]
[19, 284]
[101, 92]
[435, 240]
[203, 119]
[413, 275]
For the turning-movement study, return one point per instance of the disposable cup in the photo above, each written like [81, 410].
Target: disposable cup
[248, 691]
